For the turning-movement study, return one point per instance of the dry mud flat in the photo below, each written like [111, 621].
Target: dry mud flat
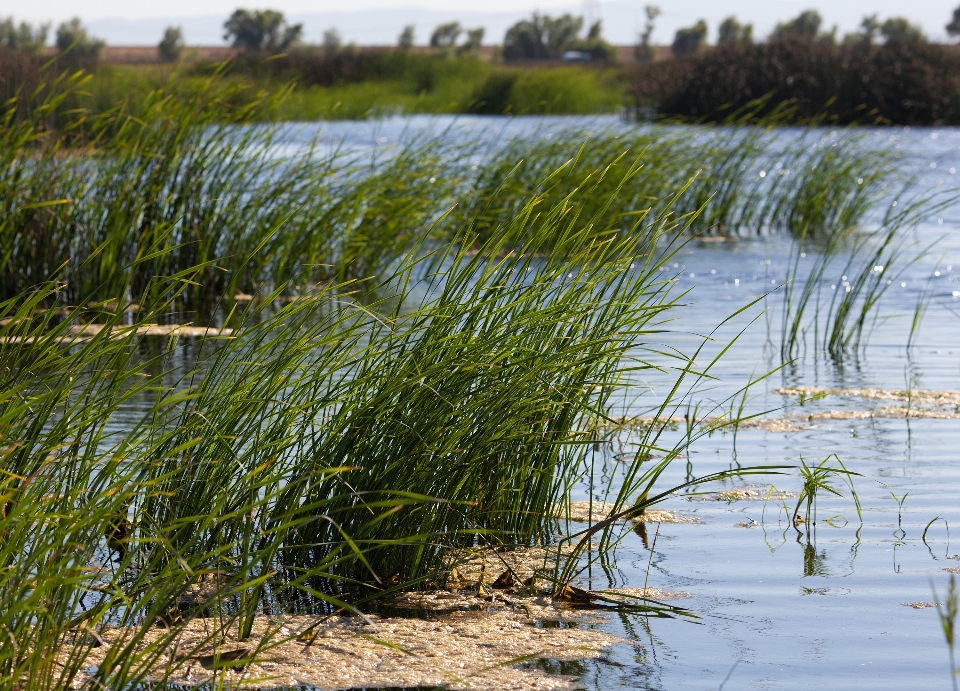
[480, 650]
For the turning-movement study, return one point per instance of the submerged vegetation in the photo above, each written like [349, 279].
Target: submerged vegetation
[412, 352]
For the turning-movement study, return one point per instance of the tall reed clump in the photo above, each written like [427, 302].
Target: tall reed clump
[323, 453]
[852, 268]
[742, 179]
[195, 179]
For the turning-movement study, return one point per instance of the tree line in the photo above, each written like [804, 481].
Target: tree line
[887, 72]
[539, 37]
[808, 25]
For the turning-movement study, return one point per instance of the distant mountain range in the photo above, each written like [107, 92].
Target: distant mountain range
[622, 20]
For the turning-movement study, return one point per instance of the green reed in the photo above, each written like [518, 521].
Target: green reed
[406, 381]
[947, 614]
[859, 265]
[329, 451]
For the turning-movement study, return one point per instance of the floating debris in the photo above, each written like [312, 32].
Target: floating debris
[920, 605]
[486, 565]
[649, 593]
[746, 494]
[952, 569]
[884, 412]
[774, 424]
[799, 422]
[764, 424]
[537, 603]
[583, 512]
[477, 649]
[940, 398]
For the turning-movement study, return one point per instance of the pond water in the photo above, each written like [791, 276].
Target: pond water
[775, 612]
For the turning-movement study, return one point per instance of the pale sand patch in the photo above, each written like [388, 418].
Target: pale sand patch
[475, 649]
[580, 512]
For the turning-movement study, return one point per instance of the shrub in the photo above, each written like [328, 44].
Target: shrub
[19, 72]
[25, 37]
[171, 45]
[901, 82]
[72, 37]
[690, 40]
[261, 30]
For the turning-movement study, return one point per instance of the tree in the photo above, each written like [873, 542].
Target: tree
[541, 37]
[644, 50]
[806, 25]
[332, 42]
[473, 42]
[261, 30]
[25, 37]
[171, 45]
[953, 28]
[72, 36]
[690, 40]
[899, 29]
[869, 29]
[594, 44]
[445, 35]
[405, 40]
[733, 33]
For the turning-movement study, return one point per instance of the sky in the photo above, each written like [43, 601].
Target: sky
[378, 22]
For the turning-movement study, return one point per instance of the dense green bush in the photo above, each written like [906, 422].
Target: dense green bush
[906, 82]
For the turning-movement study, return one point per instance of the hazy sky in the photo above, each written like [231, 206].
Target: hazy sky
[378, 21]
